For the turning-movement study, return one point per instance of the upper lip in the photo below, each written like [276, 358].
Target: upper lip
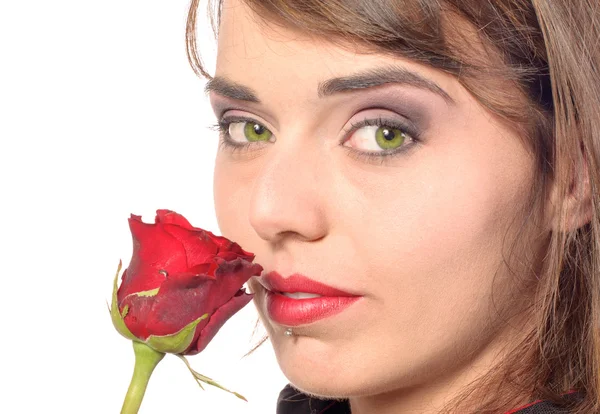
[297, 282]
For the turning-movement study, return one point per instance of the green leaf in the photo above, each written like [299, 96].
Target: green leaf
[175, 343]
[117, 319]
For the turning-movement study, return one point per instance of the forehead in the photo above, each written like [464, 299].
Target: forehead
[283, 60]
[240, 26]
[246, 37]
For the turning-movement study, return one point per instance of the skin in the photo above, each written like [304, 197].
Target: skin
[421, 238]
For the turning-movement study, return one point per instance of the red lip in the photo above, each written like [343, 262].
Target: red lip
[274, 282]
[294, 312]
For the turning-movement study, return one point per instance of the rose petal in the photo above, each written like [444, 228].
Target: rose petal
[230, 256]
[170, 217]
[184, 299]
[224, 244]
[205, 269]
[180, 300]
[194, 272]
[199, 248]
[227, 245]
[216, 321]
[139, 307]
[230, 278]
[154, 251]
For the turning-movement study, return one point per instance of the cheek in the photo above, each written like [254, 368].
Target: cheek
[444, 220]
[474, 204]
[221, 190]
[231, 195]
[431, 240]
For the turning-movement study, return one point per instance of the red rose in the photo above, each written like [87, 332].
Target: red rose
[181, 278]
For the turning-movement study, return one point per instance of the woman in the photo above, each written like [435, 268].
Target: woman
[419, 179]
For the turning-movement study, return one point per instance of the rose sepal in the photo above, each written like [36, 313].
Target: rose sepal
[175, 343]
[115, 314]
[203, 378]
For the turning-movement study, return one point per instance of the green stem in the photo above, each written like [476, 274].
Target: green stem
[146, 359]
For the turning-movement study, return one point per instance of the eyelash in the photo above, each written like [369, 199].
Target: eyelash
[372, 157]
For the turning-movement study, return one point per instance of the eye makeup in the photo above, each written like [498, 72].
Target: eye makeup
[411, 111]
[372, 157]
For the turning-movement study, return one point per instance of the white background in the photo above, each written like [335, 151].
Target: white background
[100, 117]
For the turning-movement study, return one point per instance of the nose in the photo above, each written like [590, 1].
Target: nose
[289, 195]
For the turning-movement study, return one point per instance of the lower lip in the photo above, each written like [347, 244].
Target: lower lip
[294, 312]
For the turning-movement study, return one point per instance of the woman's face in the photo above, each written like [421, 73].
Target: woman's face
[418, 236]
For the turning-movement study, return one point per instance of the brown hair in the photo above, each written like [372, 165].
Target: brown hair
[549, 51]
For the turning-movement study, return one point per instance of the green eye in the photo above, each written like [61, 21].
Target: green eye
[389, 138]
[256, 132]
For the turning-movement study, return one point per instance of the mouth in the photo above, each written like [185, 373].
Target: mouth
[298, 286]
[298, 300]
[300, 295]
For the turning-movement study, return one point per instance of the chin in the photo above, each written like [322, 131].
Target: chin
[322, 394]
[321, 370]
[320, 390]
[344, 386]
[311, 366]
[321, 374]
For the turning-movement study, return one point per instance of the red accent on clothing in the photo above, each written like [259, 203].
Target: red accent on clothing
[516, 410]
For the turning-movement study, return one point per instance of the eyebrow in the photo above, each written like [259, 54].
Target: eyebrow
[369, 78]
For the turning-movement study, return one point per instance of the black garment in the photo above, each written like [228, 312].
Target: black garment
[292, 401]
